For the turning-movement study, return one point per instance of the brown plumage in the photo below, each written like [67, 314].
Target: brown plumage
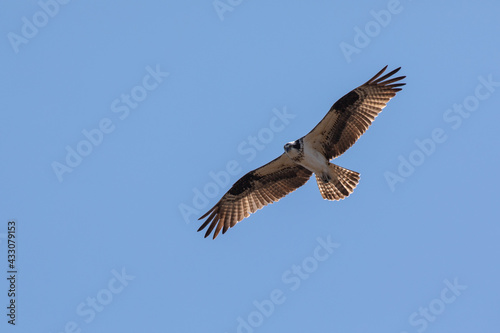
[258, 188]
[342, 126]
[352, 114]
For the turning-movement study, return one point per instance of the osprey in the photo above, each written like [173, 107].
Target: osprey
[342, 126]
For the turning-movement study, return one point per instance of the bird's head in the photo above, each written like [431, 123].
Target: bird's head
[293, 148]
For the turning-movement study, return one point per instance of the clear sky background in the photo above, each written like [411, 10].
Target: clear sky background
[122, 122]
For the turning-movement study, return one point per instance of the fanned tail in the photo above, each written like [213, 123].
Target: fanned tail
[338, 184]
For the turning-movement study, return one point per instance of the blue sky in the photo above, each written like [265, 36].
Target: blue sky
[123, 122]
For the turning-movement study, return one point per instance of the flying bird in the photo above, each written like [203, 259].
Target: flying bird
[342, 126]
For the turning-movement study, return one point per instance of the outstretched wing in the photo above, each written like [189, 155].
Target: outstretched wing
[351, 115]
[258, 188]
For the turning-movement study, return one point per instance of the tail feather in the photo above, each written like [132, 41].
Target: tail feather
[341, 182]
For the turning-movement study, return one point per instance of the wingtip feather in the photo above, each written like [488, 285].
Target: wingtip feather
[391, 73]
[376, 75]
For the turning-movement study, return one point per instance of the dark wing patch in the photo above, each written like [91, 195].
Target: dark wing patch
[244, 183]
[346, 100]
[340, 108]
[352, 114]
[256, 189]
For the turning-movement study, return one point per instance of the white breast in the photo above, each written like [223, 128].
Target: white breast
[313, 160]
